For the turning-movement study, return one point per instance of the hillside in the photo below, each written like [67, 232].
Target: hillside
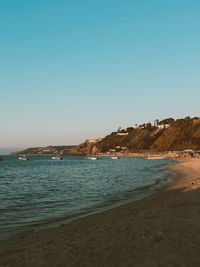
[166, 135]
[62, 150]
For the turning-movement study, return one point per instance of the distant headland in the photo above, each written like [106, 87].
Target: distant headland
[48, 150]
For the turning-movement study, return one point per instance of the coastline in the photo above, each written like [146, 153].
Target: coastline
[160, 230]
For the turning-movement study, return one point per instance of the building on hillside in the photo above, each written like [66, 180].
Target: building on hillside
[93, 141]
[142, 126]
[163, 126]
[122, 134]
[47, 150]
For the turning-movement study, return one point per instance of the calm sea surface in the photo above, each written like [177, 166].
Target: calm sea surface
[42, 192]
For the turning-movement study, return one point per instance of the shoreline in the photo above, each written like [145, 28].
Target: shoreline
[139, 193]
[161, 229]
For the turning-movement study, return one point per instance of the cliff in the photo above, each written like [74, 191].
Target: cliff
[165, 135]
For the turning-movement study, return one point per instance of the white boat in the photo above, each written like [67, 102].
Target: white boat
[114, 157]
[56, 158]
[23, 157]
[93, 158]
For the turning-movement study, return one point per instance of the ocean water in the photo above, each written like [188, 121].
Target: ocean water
[42, 192]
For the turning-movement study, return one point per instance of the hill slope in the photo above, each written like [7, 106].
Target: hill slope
[163, 136]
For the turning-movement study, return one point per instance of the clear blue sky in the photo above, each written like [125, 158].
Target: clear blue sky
[72, 69]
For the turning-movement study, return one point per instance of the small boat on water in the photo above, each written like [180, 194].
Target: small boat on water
[56, 158]
[23, 157]
[93, 158]
[114, 157]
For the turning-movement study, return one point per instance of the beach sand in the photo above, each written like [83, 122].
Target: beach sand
[161, 230]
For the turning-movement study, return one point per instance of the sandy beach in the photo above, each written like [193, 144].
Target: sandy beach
[161, 230]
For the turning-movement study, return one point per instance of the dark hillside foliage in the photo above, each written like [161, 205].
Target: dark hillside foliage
[166, 135]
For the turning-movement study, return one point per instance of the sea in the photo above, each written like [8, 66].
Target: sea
[41, 192]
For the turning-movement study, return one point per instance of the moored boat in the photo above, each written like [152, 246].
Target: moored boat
[23, 157]
[56, 158]
[93, 158]
[114, 157]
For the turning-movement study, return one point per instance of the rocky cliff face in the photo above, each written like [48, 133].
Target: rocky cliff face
[84, 149]
[164, 136]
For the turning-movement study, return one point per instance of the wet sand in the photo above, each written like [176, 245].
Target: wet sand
[161, 230]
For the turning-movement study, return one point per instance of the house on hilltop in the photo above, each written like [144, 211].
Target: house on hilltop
[164, 124]
[122, 134]
[93, 141]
